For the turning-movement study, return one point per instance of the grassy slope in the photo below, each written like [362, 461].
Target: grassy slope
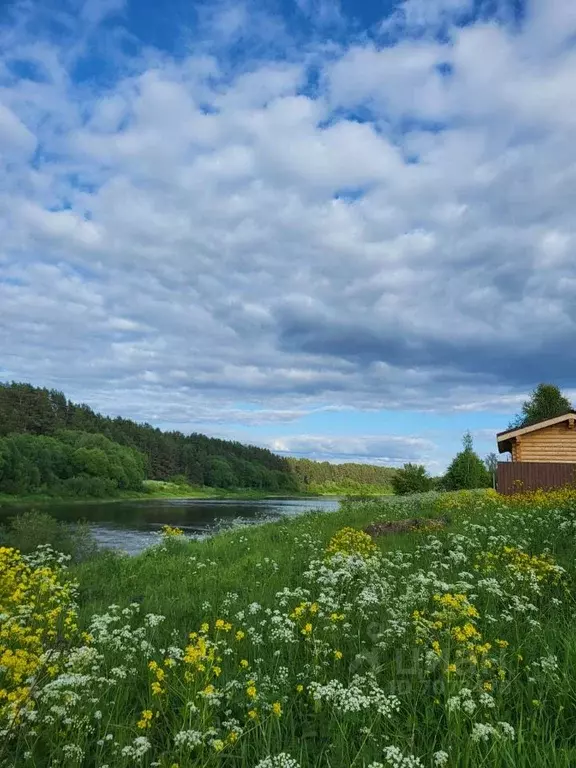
[189, 583]
[156, 489]
[254, 564]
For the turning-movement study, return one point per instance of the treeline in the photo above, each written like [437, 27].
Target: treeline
[200, 459]
[321, 476]
[69, 463]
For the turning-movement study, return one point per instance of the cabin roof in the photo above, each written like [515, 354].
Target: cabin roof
[505, 438]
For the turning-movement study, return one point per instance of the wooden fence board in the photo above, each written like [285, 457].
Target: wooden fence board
[518, 476]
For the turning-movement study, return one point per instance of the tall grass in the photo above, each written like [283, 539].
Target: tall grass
[296, 644]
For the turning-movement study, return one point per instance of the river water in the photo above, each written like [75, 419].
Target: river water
[134, 525]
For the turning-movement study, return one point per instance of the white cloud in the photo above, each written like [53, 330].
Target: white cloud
[399, 236]
[373, 449]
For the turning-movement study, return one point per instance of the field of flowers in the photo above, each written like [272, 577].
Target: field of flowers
[303, 643]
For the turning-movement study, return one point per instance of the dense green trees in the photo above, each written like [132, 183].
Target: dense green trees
[202, 460]
[412, 478]
[467, 469]
[68, 464]
[545, 402]
[323, 476]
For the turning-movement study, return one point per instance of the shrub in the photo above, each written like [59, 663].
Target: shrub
[33, 528]
[412, 478]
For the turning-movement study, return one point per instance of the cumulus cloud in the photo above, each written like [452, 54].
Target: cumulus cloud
[388, 450]
[350, 223]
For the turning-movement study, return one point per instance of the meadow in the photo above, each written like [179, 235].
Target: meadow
[303, 643]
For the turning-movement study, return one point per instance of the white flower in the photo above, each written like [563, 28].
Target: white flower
[188, 739]
[283, 760]
[394, 757]
[441, 758]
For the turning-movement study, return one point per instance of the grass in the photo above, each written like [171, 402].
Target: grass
[156, 489]
[452, 646]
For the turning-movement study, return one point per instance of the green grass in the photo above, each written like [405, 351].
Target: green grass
[516, 597]
[157, 489]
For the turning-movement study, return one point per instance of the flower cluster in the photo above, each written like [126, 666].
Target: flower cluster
[171, 532]
[38, 615]
[350, 541]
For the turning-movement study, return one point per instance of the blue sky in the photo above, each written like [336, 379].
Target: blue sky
[338, 229]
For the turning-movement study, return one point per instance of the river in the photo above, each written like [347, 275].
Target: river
[134, 525]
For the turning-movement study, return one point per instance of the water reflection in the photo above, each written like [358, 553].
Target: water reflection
[134, 525]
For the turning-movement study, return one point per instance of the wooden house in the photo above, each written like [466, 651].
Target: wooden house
[543, 455]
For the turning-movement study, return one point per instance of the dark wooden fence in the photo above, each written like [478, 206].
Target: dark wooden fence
[518, 476]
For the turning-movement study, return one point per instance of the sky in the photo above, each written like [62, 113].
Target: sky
[341, 229]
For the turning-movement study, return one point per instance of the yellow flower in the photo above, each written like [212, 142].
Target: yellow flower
[170, 532]
[208, 690]
[157, 689]
[252, 714]
[217, 671]
[307, 629]
[251, 691]
[299, 688]
[218, 745]
[205, 627]
[277, 709]
[145, 719]
[240, 635]
[232, 737]
[244, 663]
[350, 541]
[451, 667]
[338, 655]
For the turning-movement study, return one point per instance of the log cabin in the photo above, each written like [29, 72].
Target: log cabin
[551, 440]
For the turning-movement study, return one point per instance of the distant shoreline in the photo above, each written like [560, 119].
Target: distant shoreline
[158, 490]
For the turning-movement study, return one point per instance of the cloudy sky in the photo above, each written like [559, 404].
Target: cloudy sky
[341, 228]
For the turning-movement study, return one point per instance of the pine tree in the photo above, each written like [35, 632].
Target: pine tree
[467, 470]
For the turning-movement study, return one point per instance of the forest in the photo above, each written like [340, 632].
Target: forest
[348, 477]
[28, 411]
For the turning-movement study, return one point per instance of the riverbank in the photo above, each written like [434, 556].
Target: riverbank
[157, 489]
[305, 644]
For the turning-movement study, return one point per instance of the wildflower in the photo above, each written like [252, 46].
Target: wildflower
[338, 655]
[441, 758]
[282, 760]
[251, 691]
[299, 688]
[218, 745]
[349, 541]
[171, 532]
[145, 719]
[240, 635]
[252, 714]
[277, 709]
[244, 663]
[307, 629]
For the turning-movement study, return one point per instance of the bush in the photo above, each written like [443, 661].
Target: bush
[32, 528]
[412, 478]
